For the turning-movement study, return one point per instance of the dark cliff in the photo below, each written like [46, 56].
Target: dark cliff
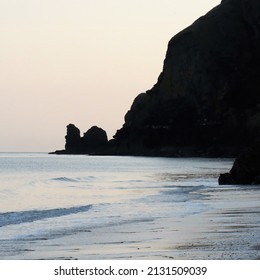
[207, 98]
[206, 101]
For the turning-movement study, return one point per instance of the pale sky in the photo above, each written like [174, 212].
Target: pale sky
[81, 62]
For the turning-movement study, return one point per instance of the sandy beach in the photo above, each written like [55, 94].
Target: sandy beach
[75, 207]
[227, 228]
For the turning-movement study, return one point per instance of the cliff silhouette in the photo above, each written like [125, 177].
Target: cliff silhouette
[206, 101]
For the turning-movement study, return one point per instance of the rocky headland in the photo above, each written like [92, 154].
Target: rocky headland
[206, 101]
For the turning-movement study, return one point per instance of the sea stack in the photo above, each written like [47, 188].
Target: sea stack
[94, 141]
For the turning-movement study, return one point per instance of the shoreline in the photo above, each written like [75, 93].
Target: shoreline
[225, 227]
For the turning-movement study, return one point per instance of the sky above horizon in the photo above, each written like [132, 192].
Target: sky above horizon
[80, 62]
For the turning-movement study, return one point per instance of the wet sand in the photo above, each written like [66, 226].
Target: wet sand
[227, 227]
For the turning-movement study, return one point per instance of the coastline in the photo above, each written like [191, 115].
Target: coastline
[223, 224]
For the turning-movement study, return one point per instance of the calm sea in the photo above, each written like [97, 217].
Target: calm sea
[47, 197]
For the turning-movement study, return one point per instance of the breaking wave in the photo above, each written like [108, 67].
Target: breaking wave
[12, 218]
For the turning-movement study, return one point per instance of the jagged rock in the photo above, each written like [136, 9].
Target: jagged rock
[73, 140]
[207, 98]
[94, 141]
[246, 168]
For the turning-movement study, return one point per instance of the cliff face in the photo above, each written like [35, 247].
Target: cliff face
[207, 98]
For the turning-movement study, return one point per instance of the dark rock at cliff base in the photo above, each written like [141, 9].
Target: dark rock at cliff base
[206, 101]
[94, 141]
[226, 179]
[246, 168]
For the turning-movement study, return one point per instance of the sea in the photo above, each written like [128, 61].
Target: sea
[109, 207]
